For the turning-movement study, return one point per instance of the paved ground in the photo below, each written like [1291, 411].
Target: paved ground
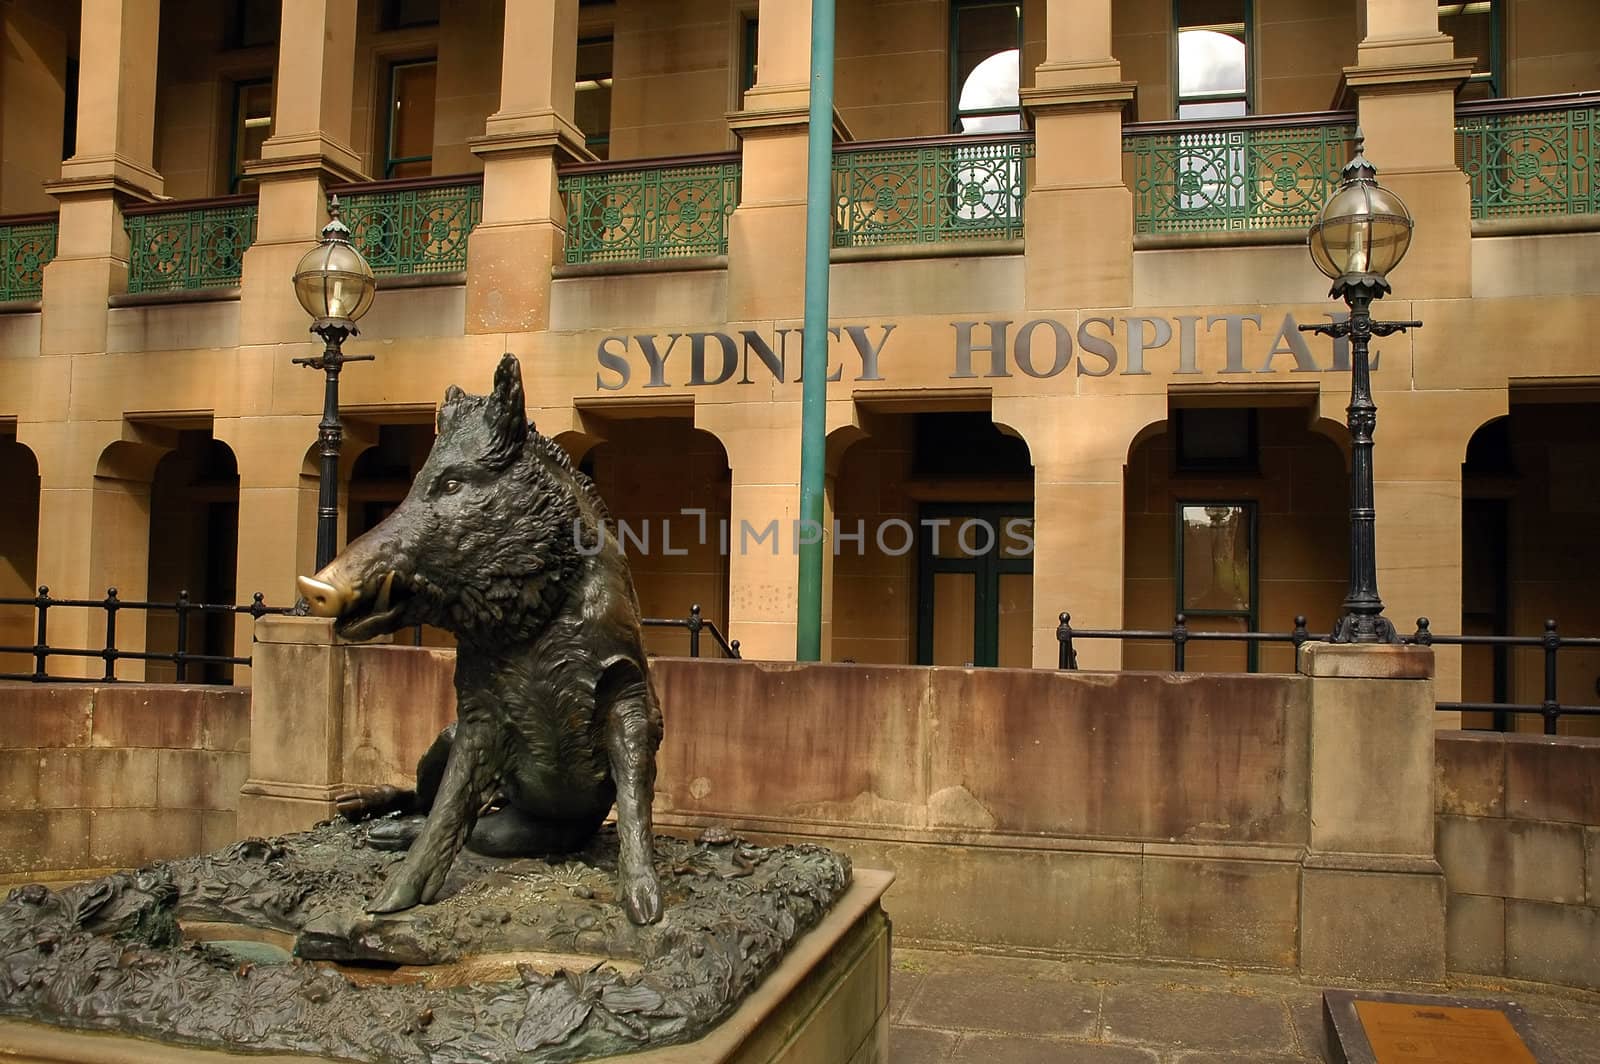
[953, 1008]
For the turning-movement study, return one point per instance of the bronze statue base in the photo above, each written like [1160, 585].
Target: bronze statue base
[267, 946]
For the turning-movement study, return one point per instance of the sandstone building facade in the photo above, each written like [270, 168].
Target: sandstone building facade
[1068, 271]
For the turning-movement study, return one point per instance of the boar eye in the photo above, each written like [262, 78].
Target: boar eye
[452, 486]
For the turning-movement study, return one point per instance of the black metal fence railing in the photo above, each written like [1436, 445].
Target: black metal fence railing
[1180, 635]
[181, 658]
[187, 612]
[694, 624]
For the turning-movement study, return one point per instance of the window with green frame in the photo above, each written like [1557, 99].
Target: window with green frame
[408, 136]
[1478, 31]
[985, 65]
[592, 94]
[1217, 571]
[749, 45]
[252, 124]
[1213, 75]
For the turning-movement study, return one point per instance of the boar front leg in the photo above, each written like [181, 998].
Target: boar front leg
[633, 733]
[468, 774]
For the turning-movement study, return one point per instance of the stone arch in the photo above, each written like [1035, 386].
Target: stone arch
[19, 549]
[194, 536]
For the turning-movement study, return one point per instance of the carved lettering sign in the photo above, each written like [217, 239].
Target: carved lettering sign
[1040, 348]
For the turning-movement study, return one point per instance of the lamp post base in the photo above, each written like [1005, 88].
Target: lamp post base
[1364, 628]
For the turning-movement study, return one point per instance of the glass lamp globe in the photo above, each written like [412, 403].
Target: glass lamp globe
[333, 281]
[1363, 231]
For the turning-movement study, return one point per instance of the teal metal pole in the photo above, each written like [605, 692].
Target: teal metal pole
[814, 356]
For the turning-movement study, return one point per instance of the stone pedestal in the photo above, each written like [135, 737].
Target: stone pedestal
[1371, 892]
[296, 726]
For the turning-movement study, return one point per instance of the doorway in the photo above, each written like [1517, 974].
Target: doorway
[975, 584]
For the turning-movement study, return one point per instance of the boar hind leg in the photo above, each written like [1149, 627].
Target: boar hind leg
[633, 732]
[462, 787]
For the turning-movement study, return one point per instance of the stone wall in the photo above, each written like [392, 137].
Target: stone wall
[1519, 840]
[1129, 814]
[117, 776]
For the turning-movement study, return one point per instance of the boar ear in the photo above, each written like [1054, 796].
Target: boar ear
[507, 414]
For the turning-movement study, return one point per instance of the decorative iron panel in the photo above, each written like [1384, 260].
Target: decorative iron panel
[1233, 180]
[929, 194]
[24, 250]
[187, 249]
[1532, 163]
[414, 230]
[665, 212]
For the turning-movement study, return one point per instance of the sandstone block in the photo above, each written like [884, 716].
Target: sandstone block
[1475, 934]
[1551, 943]
[1470, 773]
[1512, 858]
[1241, 912]
[1374, 926]
[1553, 779]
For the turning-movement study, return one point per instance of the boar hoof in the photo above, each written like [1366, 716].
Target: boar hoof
[396, 834]
[641, 897]
[359, 803]
[403, 892]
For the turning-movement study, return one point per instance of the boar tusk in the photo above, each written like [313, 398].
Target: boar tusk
[384, 586]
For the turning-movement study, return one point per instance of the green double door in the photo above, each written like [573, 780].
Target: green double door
[975, 584]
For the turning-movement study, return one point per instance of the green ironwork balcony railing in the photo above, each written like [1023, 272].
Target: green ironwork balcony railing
[642, 210]
[414, 225]
[1234, 175]
[1533, 157]
[27, 242]
[928, 190]
[190, 245]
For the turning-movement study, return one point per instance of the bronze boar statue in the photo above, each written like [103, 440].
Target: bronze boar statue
[503, 543]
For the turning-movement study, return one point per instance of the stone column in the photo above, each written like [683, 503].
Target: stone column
[1371, 892]
[1077, 199]
[1404, 85]
[308, 150]
[767, 233]
[523, 232]
[33, 62]
[763, 446]
[277, 508]
[1078, 465]
[113, 165]
[1421, 442]
[94, 494]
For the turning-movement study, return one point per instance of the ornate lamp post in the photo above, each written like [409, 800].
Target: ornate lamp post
[1362, 233]
[335, 285]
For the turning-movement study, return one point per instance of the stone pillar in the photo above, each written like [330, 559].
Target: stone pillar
[296, 725]
[1077, 198]
[277, 512]
[1404, 85]
[1420, 444]
[113, 165]
[763, 446]
[767, 233]
[308, 150]
[1371, 892]
[523, 232]
[1078, 465]
[94, 496]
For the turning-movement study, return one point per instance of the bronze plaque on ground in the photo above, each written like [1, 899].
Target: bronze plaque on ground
[1402, 1033]
[1380, 1028]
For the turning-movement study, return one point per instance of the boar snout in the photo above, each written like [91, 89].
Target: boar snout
[325, 599]
[362, 605]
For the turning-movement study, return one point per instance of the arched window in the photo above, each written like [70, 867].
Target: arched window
[1212, 77]
[985, 65]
